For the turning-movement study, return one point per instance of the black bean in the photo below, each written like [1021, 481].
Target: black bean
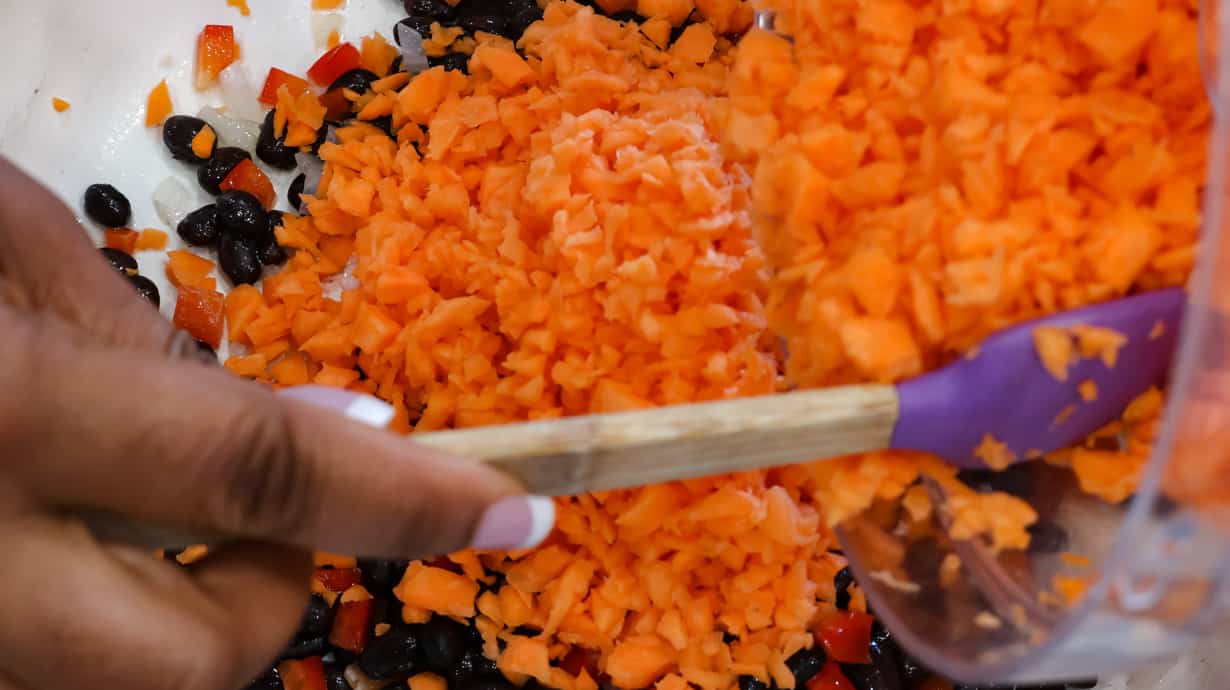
[241, 213]
[395, 67]
[120, 261]
[473, 665]
[335, 676]
[200, 228]
[268, 250]
[106, 206]
[442, 644]
[912, 672]
[302, 649]
[1045, 536]
[358, 80]
[295, 190]
[883, 673]
[380, 575]
[384, 124]
[146, 288]
[392, 655]
[806, 663]
[206, 350]
[269, 680]
[841, 583]
[273, 149]
[215, 170]
[482, 21]
[752, 683]
[458, 62]
[385, 609]
[178, 132]
[433, 9]
[420, 24]
[317, 619]
[238, 260]
[1016, 480]
[522, 20]
[485, 683]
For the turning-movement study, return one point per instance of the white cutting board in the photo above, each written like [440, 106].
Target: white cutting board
[104, 56]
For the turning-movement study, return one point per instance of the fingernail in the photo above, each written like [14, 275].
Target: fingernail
[516, 522]
[359, 407]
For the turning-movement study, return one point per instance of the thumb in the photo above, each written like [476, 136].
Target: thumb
[191, 446]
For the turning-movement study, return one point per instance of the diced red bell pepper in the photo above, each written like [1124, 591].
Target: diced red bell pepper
[335, 63]
[303, 674]
[338, 579]
[276, 79]
[829, 678]
[246, 177]
[350, 625]
[337, 106]
[200, 312]
[846, 636]
[215, 51]
[122, 239]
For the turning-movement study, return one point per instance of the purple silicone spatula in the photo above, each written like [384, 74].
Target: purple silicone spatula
[1003, 391]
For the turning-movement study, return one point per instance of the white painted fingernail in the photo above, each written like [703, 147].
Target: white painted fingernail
[516, 522]
[371, 411]
[359, 407]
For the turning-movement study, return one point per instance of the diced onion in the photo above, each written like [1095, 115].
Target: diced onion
[232, 131]
[413, 59]
[239, 94]
[313, 169]
[173, 201]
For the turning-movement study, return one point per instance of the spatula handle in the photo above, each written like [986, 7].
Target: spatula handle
[598, 452]
[574, 455]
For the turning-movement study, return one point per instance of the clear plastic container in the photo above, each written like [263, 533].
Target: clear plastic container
[1160, 567]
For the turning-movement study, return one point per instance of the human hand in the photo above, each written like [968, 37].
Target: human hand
[97, 416]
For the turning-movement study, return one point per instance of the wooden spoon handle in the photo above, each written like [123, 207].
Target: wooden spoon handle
[562, 457]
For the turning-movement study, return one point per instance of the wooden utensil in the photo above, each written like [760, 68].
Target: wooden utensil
[1003, 392]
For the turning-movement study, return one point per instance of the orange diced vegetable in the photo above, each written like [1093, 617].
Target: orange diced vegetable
[204, 142]
[1055, 350]
[158, 106]
[151, 238]
[187, 269]
[199, 311]
[122, 239]
[60, 104]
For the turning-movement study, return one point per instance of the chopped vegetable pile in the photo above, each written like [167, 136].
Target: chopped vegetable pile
[552, 209]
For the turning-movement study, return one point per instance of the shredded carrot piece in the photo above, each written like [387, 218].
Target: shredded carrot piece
[241, 5]
[328, 5]
[1055, 350]
[1094, 341]
[1158, 330]
[1063, 415]
[1088, 390]
[1075, 560]
[158, 107]
[334, 39]
[60, 104]
[994, 453]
